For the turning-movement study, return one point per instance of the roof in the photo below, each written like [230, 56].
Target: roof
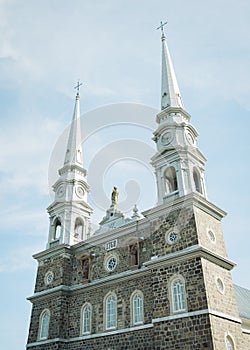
[242, 296]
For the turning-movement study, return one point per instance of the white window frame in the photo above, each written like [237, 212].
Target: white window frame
[87, 307]
[178, 295]
[229, 341]
[110, 313]
[137, 310]
[41, 325]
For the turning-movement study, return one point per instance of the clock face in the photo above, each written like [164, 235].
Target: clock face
[190, 138]
[166, 138]
[61, 191]
[172, 237]
[111, 263]
[79, 191]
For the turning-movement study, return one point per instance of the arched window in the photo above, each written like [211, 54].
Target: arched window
[178, 295]
[170, 180]
[79, 228]
[57, 229]
[197, 180]
[44, 324]
[86, 318]
[137, 307]
[229, 343]
[111, 311]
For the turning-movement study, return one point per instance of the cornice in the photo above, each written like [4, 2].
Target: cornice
[191, 199]
[195, 251]
[53, 251]
[123, 276]
[167, 111]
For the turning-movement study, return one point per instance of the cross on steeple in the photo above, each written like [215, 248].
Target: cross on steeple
[161, 27]
[78, 86]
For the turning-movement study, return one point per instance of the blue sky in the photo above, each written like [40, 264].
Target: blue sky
[114, 48]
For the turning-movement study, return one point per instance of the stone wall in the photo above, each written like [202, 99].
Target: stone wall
[188, 333]
[96, 297]
[191, 271]
[222, 327]
[205, 223]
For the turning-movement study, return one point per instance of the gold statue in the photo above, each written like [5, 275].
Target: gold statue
[114, 197]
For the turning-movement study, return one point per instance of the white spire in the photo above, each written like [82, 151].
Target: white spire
[170, 93]
[70, 212]
[74, 149]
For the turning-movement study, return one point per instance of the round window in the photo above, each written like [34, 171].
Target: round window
[220, 285]
[172, 237]
[48, 277]
[111, 263]
[211, 236]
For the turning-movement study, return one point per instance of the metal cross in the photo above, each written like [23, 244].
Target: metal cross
[78, 86]
[161, 26]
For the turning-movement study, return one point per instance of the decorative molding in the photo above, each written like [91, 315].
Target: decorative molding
[192, 252]
[180, 315]
[90, 336]
[197, 313]
[56, 250]
[129, 274]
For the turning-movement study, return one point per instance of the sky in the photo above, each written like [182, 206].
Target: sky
[114, 48]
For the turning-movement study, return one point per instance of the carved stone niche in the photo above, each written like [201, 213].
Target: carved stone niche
[85, 261]
[134, 252]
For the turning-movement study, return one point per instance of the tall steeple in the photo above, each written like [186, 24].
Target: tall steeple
[170, 92]
[74, 149]
[70, 212]
[179, 164]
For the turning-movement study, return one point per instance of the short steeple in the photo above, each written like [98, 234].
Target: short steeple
[170, 92]
[70, 212]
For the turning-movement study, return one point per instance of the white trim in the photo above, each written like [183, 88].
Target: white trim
[220, 284]
[226, 316]
[110, 255]
[46, 276]
[196, 313]
[135, 293]
[85, 305]
[193, 252]
[212, 234]
[137, 328]
[105, 314]
[104, 334]
[245, 330]
[39, 335]
[180, 315]
[128, 274]
[229, 336]
[172, 280]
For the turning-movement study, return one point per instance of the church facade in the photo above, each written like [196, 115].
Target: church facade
[161, 281]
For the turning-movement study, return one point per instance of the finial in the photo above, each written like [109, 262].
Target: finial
[78, 87]
[161, 27]
[135, 215]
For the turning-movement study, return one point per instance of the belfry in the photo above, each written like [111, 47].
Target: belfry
[160, 280]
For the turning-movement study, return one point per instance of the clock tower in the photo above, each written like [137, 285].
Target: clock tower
[179, 164]
[70, 213]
